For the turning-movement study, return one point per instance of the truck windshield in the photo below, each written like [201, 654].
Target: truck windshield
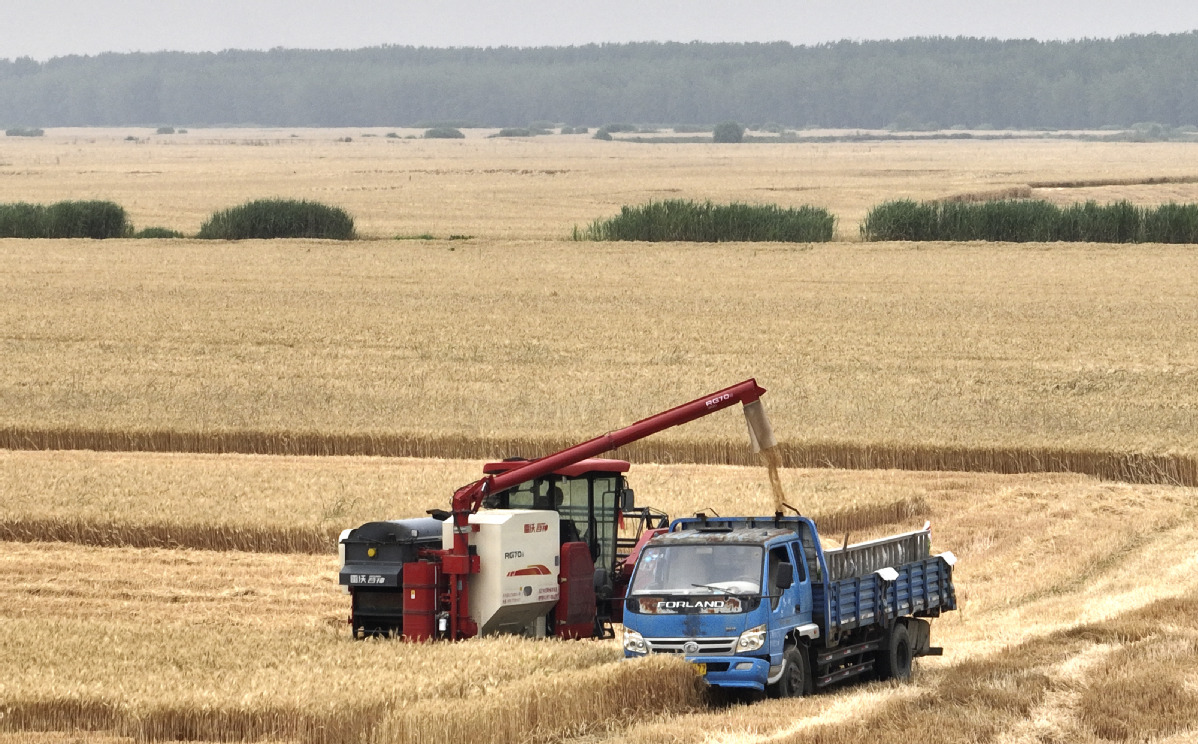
[698, 569]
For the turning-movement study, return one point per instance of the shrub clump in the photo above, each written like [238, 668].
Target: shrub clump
[69, 219]
[279, 218]
[684, 220]
[24, 132]
[514, 132]
[728, 131]
[444, 133]
[1029, 220]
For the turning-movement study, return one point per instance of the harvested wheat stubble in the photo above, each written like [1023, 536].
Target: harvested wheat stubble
[1065, 584]
[1103, 652]
[166, 645]
[272, 504]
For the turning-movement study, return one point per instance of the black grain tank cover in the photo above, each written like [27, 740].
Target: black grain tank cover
[419, 530]
[395, 542]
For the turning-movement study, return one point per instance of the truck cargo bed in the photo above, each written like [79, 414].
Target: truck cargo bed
[920, 588]
[865, 558]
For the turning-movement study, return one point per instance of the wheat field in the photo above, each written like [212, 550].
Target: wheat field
[539, 188]
[1080, 348]
[300, 505]
[187, 595]
[518, 338]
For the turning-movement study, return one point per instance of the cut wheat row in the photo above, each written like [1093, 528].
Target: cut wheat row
[323, 539]
[1130, 467]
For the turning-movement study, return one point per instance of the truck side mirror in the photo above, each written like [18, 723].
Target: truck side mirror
[785, 575]
[627, 502]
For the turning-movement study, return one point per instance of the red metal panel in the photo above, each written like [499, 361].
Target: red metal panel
[591, 465]
[419, 601]
[574, 616]
[460, 564]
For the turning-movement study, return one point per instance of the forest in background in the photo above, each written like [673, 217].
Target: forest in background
[917, 83]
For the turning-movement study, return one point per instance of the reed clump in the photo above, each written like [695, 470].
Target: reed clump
[1030, 221]
[706, 222]
[97, 220]
[279, 218]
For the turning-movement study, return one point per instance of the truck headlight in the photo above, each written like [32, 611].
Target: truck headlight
[634, 642]
[751, 640]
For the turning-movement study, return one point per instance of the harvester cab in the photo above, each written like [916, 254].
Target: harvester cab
[595, 507]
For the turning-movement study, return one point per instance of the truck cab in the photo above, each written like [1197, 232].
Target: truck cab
[730, 600]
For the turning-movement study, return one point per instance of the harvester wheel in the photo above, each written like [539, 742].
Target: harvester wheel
[895, 661]
[796, 678]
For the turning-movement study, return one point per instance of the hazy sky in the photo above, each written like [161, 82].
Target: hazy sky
[49, 28]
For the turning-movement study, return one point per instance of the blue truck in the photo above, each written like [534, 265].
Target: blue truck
[757, 603]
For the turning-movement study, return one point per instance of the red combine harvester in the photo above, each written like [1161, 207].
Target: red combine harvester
[533, 548]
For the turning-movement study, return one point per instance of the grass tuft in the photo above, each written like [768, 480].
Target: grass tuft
[158, 232]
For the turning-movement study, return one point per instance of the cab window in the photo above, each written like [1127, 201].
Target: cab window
[603, 545]
[777, 557]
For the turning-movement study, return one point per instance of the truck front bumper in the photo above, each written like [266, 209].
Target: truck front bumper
[741, 672]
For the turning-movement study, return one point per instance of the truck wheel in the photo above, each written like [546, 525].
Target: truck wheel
[895, 662]
[796, 679]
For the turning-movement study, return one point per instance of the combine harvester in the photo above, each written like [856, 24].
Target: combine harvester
[532, 548]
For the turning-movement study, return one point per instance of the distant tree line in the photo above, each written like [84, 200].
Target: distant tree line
[942, 81]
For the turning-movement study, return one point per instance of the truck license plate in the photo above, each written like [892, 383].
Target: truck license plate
[701, 667]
